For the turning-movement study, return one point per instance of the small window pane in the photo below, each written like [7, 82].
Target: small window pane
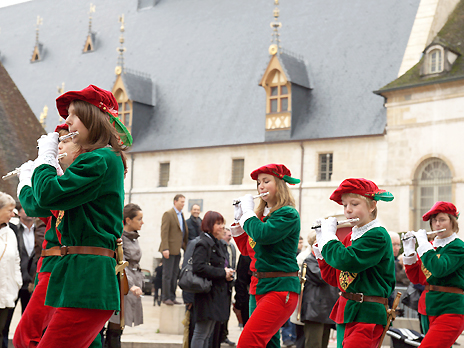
[274, 91]
[325, 167]
[284, 90]
[284, 104]
[273, 105]
[237, 171]
[164, 174]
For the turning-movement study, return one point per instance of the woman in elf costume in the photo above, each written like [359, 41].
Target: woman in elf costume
[362, 266]
[90, 197]
[442, 263]
[37, 316]
[270, 237]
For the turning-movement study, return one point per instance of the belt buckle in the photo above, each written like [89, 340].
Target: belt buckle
[64, 250]
[362, 297]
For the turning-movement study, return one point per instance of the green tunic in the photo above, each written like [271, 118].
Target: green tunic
[445, 267]
[275, 242]
[91, 196]
[365, 265]
[30, 206]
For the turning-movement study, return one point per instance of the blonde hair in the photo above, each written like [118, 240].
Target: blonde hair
[311, 237]
[283, 196]
[454, 222]
[369, 202]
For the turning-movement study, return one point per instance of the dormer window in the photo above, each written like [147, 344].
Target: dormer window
[435, 61]
[278, 101]
[125, 108]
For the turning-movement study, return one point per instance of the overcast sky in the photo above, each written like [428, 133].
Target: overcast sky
[4, 3]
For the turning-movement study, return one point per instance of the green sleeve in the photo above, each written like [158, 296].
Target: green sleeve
[361, 255]
[277, 227]
[30, 205]
[80, 183]
[442, 265]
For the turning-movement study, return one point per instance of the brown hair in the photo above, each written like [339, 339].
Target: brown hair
[368, 201]
[130, 211]
[283, 195]
[101, 131]
[178, 196]
[454, 222]
[210, 219]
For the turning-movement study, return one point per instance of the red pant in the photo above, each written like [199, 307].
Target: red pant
[362, 335]
[272, 311]
[36, 316]
[444, 330]
[74, 326]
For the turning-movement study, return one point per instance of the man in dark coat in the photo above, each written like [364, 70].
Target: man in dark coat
[194, 222]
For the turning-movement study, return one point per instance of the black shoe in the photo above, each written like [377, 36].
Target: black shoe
[229, 342]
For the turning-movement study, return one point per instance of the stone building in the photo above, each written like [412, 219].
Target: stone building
[209, 98]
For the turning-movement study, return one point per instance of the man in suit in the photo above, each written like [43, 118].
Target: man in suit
[174, 236]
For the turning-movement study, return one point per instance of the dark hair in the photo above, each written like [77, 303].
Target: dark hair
[178, 196]
[101, 131]
[454, 221]
[130, 211]
[210, 219]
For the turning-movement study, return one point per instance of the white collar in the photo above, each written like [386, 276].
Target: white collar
[444, 241]
[266, 211]
[357, 232]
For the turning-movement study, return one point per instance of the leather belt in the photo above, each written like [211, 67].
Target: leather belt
[360, 297]
[82, 250]
[261, 275]
[450, 289]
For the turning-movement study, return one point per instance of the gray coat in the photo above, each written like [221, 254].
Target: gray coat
[133, 312]
[318, 296]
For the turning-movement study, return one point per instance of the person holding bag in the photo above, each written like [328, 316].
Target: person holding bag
[209, 262]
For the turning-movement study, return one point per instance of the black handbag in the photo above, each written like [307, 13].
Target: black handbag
[411, 299]
[190, 282]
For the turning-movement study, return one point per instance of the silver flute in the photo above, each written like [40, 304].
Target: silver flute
[69, 135]
[15, 172]
[238, 201]
[430, 232]
[338, 222]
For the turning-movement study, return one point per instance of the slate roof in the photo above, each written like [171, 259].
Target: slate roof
[19, 131]
[295, 69]
[450, 36]
[207, 56]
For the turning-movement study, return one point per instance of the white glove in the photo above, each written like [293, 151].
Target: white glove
[318, 230]
[25, 175]
[409, 245]
[238, 212]
[328, 231]
[421, 237]
[48, 144]
[48, 151]
[247, 203]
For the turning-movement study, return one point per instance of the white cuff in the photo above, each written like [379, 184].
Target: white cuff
[45, 159]
[409, 260]
[422, 249]
[317, 253]
[325, 239]
[21, 185]
[246, 215]
[236, 230]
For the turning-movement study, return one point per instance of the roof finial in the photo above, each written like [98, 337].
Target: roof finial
[43, 116]
[91, 10]
[120, 67]
[275, 46]
[39, 22]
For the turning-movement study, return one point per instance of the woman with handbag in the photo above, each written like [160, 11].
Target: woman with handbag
[209, 262]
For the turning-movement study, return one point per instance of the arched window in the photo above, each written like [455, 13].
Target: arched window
[435, 61]
[125, 108]
[433, 178]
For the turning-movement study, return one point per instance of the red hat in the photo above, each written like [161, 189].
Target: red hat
[102, 99]
[61, 126]
[441, 207]
[278, 170]
[361, 187]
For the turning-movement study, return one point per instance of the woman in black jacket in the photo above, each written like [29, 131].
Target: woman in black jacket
[209, 262]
